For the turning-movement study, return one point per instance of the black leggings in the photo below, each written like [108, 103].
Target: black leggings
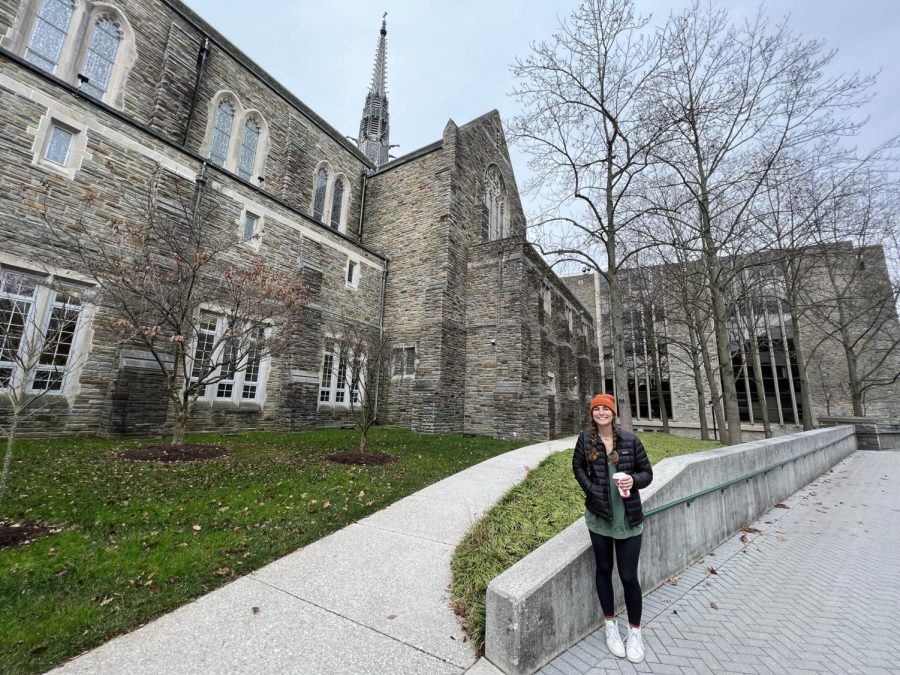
[628, 551]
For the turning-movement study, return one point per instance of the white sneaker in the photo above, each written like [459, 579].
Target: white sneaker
[613, 639]
[634, 646]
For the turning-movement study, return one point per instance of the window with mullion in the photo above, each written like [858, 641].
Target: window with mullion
[48, 34]
[337, 204]
[58, 338]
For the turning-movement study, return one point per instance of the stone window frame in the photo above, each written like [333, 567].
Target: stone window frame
[330, 374]
[333, 178]
[255, 240]
[242, 115]
[47, 286]
[76, 43]
[496, 204]
[354, 266]
[569, 316]
[547, 296]
[238, 379]
[404, 359]
[77, 147]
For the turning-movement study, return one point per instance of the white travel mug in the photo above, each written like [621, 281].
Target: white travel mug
[618, 476]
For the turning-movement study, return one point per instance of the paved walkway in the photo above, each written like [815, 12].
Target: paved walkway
[817, 590]
[369, 599]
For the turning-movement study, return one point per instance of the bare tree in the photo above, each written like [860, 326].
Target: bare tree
[583, 121]
[38, 325]
[176, 280]
[361, 363]
[736, 99]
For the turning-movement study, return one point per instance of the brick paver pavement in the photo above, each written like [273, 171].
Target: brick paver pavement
[816, 590]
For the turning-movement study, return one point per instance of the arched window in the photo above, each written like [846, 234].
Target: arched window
[337, 203]
[48, 34]
[494, 203]
[320, 189]
[101, 57]
[249, 141]
[222, 132]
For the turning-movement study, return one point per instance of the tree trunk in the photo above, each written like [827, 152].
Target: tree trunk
[181, 422]
[758, 376]
[7, 459]
[714, 397]
[620, 373]
[362, 440]
[698, 383]
[657, 372]
[803, 377]
[732, 434]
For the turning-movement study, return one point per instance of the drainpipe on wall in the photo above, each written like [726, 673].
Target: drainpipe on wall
[201, 66]
[380, 338]
[362, 204]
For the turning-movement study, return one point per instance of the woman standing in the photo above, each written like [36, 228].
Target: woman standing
[614, 515]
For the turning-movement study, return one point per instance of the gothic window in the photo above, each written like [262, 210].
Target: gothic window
[320, 190]
[48, 34]
[85, 43]
[101, 57]
[39, 327]
[218, 152]
[337, 203]
[495, 203]
[249, 141]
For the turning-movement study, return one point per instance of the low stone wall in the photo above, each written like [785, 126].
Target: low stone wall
[871, 434]
[547, 602]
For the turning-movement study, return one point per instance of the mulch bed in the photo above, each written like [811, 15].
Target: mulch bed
[189, 452]
[362, 458]
[13, 534]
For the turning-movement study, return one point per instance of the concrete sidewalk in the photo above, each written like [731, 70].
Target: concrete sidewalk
[816, 590]
[371, 598]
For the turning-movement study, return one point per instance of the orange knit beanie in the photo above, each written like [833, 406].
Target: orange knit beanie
[603, 399]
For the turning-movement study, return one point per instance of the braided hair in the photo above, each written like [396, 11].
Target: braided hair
[594, 453]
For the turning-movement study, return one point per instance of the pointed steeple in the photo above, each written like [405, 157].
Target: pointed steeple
[373, 128]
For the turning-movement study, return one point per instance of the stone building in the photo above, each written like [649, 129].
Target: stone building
[486, 338]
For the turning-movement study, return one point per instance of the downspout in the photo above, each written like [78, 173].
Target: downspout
[201, 67]
[362, 205]
[381, 353]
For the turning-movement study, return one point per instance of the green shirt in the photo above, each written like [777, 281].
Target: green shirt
[619, 528]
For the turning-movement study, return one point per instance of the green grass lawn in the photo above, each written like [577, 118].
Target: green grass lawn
[533, 512]
[138, 539]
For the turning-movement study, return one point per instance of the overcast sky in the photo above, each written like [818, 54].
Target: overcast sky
[450, 59]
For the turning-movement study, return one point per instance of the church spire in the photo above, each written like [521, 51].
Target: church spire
[373, 128]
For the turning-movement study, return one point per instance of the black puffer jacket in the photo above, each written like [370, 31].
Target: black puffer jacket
[593, 477]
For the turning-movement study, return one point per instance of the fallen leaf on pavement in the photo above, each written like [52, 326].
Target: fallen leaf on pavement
[713, 605]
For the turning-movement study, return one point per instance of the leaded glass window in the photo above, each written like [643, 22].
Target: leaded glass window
[250, 389]
[337, 203]
[249, 141]
[58, 340]
[340, 390]
[222, 133]
[51, 25]
[58, 145]
[319, 200]
[101, 57]
[327, 368]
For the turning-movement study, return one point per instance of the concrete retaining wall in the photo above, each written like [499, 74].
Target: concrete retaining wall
[547, 601]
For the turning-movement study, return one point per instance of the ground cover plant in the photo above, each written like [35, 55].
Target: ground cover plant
[531, 513]
[130, 539]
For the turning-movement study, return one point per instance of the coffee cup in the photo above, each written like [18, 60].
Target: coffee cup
[619, 476]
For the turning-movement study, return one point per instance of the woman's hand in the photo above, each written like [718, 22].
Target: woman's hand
[626, 483]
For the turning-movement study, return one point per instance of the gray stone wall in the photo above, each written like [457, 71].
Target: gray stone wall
[118, 161]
